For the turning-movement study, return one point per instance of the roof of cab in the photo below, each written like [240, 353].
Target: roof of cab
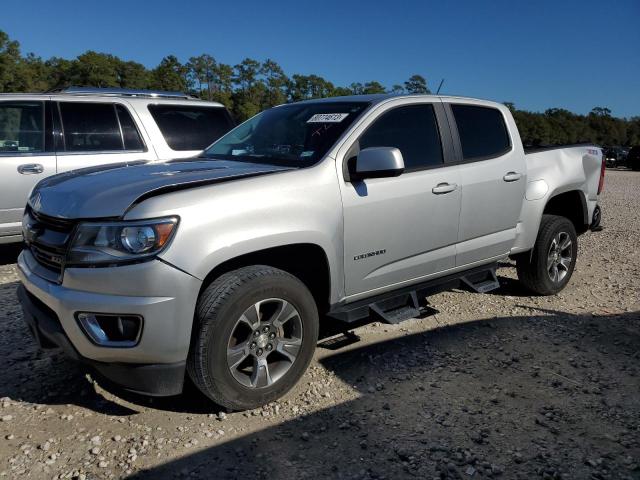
[381, 97]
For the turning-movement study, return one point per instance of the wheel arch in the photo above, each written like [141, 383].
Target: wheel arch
[571, 204]
[306, 261]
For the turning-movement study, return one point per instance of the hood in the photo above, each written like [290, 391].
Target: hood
[110, 190]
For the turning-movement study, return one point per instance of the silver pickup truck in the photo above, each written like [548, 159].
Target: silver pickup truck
[222, 266]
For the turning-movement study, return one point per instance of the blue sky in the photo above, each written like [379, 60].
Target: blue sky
[569, 54]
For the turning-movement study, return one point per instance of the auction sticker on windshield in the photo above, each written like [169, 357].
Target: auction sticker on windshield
[328, 118]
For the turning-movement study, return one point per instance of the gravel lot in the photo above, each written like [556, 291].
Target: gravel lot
[499, 385]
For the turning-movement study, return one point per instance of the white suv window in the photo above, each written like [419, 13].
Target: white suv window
[187, 127]
[98, 127]
[21, 127]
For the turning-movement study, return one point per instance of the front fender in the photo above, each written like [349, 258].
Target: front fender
[221, 222]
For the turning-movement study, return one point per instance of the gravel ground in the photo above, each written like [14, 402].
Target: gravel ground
[500, 385]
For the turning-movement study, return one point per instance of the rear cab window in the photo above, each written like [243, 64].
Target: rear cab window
[482, 130]
[190, 127]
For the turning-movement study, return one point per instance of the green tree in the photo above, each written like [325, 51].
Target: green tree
[171, 75]
[222, 88]
[250, 92]
[373, 87]
[416, 84]
[201, 72]
[133, 75]
[276, 83]
[9, 60]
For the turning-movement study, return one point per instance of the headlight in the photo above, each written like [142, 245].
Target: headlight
[120, 242]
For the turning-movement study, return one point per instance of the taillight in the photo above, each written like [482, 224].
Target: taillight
[602, 170]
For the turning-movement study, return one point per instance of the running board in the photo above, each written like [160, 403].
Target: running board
[410, 302]
[392, 310]
[482, 282]
[403, 307]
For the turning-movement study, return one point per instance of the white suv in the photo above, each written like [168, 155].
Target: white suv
[47, 133]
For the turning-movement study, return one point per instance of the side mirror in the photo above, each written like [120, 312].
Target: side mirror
[377, 162]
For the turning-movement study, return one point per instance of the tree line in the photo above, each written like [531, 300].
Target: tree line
[251, 86]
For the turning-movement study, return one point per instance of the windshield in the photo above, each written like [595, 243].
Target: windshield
[296, 135]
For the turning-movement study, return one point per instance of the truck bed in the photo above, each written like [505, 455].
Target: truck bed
[543, 148]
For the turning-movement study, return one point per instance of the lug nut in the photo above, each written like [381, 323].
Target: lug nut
[265, 329]
[253, 345]
[259, 352]
[269, 347]
[272, 335]
[256, 333]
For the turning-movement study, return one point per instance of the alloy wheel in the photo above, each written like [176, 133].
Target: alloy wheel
[264, 343]
[559, 257]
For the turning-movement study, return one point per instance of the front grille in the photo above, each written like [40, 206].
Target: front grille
[51, 260]
[57, 224]
[48, 239]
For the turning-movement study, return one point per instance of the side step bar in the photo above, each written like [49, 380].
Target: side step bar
[482, 282]
[410, 302]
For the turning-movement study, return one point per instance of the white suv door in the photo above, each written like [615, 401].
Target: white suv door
[26, 156]
[97, 133]
[493, 181]
[401, 230]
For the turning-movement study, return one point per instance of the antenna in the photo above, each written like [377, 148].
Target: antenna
[440, 86]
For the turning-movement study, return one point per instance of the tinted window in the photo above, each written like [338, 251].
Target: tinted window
[90, 127]
[190, 127]
[130, 134]
[297, 135]
[482, 131]
[21, 127]
[411, 129]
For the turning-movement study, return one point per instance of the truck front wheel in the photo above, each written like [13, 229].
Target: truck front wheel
[255, 332]
[548, 267]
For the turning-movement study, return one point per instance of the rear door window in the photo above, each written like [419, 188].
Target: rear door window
[187, 127]
[21, 127]
[482, 131]
[90, 127]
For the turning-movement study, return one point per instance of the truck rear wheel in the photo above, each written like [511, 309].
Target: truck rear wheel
[255, 332]
[549, 266]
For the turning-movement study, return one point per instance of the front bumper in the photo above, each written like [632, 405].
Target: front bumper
[164, 296]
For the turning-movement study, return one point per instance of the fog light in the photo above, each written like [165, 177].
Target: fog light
[111, 330]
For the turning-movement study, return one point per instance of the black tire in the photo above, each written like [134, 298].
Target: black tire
[533, 268]
[219, 309]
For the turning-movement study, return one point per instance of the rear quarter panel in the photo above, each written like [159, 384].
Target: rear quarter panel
[551, 173]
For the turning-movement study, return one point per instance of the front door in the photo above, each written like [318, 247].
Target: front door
[402, 229]
[26, 157]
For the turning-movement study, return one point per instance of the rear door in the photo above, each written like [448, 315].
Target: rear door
[493, 180]
[96, 133]
[26, 156]
[403, 229]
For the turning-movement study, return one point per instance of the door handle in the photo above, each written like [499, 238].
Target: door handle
[512, 177]
[30, 169]
[444, 188]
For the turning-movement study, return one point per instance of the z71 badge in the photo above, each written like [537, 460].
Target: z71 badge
[370, 254]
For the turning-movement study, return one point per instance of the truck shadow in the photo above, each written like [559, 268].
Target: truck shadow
[9, 253]
[42, 377]
[482, 398]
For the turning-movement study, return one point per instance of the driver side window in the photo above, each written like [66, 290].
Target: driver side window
[412, 129]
